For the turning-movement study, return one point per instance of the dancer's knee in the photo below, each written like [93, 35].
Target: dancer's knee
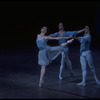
[83, 68]
[92, 68]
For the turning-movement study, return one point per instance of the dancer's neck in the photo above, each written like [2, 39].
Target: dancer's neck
[62, 30]
[42, 34]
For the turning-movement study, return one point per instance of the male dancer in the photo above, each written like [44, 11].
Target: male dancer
[86, 56]
[65, 58]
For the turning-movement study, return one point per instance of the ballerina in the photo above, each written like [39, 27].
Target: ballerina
[47, 53]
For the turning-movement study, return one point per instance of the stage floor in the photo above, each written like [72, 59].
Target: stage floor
[19, 76]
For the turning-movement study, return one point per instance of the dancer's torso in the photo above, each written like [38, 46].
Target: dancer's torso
[85, 43]
[41, 44]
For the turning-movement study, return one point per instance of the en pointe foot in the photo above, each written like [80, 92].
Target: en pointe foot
[40, 83]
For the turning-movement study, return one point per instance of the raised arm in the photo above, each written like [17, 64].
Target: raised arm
[57, 38]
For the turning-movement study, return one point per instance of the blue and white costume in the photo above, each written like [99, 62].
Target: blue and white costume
[47, 53]
[65, 50]
[86, 57]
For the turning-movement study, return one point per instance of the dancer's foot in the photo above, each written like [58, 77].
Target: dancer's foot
[40, 83]
[60, 77]
[82, 84]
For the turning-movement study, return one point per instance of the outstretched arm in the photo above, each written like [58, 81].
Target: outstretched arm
[80, 31]
[57, 38]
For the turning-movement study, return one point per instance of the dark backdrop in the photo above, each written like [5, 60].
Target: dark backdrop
[20, 21]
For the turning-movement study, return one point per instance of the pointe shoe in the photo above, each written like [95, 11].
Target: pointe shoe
[82, 84]
[60, 77]
[40, 83]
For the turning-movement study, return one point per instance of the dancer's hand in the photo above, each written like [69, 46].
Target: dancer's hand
[73, 37]
[70, 37]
